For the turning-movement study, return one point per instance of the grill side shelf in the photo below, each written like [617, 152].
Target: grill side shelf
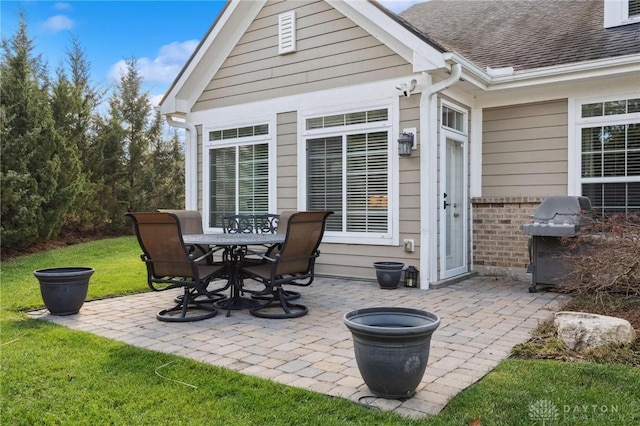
[549, 229]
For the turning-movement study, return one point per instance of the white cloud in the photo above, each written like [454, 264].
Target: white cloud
[398, 6]
[58, 23]
[62, 6]
[164, 67]
[155, 99]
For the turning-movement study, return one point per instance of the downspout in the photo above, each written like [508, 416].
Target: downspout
[429, 174]
[190, 162]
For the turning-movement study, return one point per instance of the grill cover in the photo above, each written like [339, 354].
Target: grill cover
[558, 216]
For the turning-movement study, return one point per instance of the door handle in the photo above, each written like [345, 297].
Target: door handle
[445, 201]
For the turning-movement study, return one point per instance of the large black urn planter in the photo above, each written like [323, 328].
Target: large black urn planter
[388, 274]
[391, 346]
[64, 289]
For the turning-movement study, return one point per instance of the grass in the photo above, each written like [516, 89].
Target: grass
[53, 375]
[119, 271]
[545, 344]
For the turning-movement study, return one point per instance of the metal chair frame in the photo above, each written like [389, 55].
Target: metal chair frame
[250, 223]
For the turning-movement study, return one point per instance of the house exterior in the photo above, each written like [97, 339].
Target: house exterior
[299, 105]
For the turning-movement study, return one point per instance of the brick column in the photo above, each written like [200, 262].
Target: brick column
[499, 246]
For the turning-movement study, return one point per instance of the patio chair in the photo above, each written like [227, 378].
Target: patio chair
[190, 220]
[171, 264]
[283, 223]
[293, 264]
[191, 223]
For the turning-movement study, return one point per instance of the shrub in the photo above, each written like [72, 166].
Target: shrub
[605, 257]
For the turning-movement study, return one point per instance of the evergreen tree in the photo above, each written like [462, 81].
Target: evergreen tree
[166, 162]
[63, 163]
[74, 105]
[108, 174]
[29, 167]
[132, 108]
[124, 140]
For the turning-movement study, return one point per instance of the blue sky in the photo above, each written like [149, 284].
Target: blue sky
[161, 35]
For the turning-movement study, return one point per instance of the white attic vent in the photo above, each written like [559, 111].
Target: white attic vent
[287, 32]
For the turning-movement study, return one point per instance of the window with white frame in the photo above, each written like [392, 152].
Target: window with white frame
[621, 12]
[453, 119]
[237, 161]
[609, 133]
[348, 171]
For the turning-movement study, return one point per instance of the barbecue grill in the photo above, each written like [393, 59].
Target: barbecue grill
[555, 218]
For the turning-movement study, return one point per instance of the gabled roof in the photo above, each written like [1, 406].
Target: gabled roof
[236, 17]
[523, 34]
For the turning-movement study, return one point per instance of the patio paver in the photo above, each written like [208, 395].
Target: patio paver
[482, 318]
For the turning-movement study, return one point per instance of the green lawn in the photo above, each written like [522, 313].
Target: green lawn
[55, 376]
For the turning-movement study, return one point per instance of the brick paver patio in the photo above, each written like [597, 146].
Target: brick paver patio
[482, 318]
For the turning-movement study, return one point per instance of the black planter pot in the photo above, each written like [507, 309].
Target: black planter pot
[391, 346]
[64, 289]
[388, 274]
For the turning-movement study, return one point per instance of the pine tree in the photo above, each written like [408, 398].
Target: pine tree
[63, 163]
[166, 163]
[30, 168]
[106, 166]
[74, 105]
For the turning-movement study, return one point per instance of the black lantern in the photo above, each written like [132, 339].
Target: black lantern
[411, 277]
[405, 144]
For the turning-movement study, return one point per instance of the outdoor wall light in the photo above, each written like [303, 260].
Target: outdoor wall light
[405, 144]
[411, 277]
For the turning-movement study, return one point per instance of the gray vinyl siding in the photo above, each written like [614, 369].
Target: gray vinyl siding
[332, 52]
[524, 150]
[200, 165]
[287, 162]
[410, 181]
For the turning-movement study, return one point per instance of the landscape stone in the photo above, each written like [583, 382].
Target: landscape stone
[580, 331]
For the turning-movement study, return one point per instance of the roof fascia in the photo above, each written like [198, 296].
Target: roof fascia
[212, 51]
[554, 74]
[568, 72]
[470, 71]
[392, 33]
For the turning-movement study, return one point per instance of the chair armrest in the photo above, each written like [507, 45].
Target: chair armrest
[264, 256]
[206, 255]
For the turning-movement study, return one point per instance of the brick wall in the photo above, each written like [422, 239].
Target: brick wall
[499, 246]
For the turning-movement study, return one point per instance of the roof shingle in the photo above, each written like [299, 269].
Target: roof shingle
[523, 34]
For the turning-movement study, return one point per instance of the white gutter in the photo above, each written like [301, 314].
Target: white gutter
[429, 174]
[554, 73]
[190, 162]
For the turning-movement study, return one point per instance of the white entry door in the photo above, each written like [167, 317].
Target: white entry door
[453, 209]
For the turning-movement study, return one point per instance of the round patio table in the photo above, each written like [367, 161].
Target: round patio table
[235, 246]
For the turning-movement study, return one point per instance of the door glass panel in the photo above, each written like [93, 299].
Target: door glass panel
[453, 213]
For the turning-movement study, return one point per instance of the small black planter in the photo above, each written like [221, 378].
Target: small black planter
[64, 289]
[391, 346]
[388, 274]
